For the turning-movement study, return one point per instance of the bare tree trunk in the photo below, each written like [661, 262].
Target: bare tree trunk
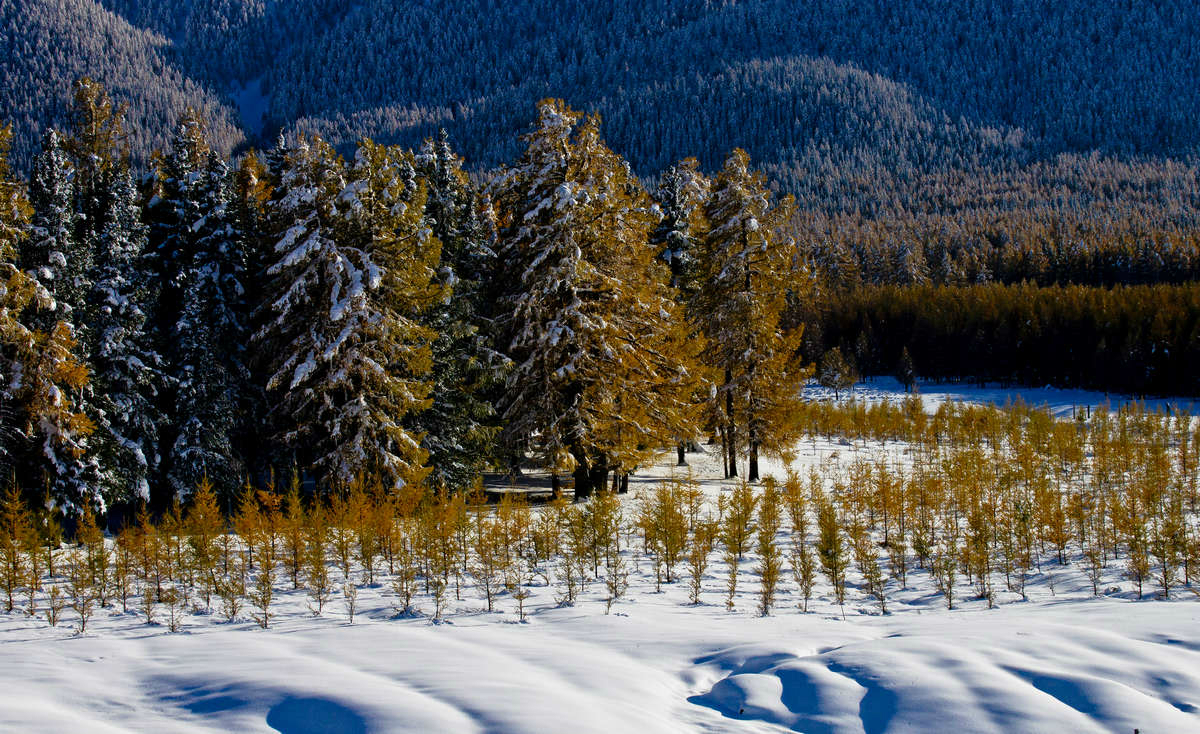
[730, 429]
[598, 474]
[582, 475]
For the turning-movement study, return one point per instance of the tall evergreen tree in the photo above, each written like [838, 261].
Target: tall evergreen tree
[176, 206]
[98, 151]
[346, 358]
[598, 377]
[681, 193]
[44, 436]
[208, 341]
[746, 272]
[53, 253]
[128, 370]
[460, 425]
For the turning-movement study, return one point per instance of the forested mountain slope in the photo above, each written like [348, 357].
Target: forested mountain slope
[47, 44]
[857, 88]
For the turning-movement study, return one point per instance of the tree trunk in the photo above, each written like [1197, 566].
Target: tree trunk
[598, 474]
[753, 461]
[555, 485]
[624, 484]
[724, 451]
[730, 430]
[583, 481]
[681, 454]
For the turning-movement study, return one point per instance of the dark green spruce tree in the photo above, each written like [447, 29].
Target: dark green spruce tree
[208, 340]
[460, 425]
[127, 371]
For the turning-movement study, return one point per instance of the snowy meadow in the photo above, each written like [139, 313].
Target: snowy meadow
[640, 647]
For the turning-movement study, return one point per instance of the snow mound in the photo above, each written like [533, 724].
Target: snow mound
[985, 680]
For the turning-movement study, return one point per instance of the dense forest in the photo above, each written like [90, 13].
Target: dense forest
[381, 317]
[1127, 339]
[954, 142]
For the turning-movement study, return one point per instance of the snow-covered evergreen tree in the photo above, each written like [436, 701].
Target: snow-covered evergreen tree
[460, 424]
[52, 253]
[128, 371]
[680, 196]
[44, 436]
[346, 357]
[746, 272]
[175, 207]
[208, 339]
[598, 377]
[97, 148]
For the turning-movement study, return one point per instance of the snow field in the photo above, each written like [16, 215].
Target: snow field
[1064, 661]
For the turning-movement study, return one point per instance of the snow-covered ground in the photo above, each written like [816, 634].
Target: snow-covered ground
[1064, 661]
[1062, 403]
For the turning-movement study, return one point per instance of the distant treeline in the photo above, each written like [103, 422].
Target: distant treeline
[1142, 339]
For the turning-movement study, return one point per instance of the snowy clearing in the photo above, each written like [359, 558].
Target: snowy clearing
[1062, 661]
[1059, 402]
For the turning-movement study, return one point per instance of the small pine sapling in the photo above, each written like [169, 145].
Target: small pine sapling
[489, 563]
[616, 581]
[262, 593]
[804, 571]
[945, 569]
[316, 576]
[175, 601]
[55, 604]
[770, 556]
[515, 581]
[404, 577]
[293, 525]
[14, 528]
[699, 549]
[232, 587]
[80, 588]
[350, 596]
[124, 567]
[831, 548]
[868, 565]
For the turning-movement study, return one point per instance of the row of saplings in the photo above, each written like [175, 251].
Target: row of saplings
[966, 516]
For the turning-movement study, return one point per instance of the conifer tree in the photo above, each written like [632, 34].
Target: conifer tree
[680, 195]
[43, 379]
[209, 351]
[906, 371]
[460, 424]
[15, 528]
[835, 372]
[198, 248]
[346, 358]
[598, 355]
[127, 374]
[52, 254]
[175, 207]
[20, 293]
[98, 151]
[746, 272]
